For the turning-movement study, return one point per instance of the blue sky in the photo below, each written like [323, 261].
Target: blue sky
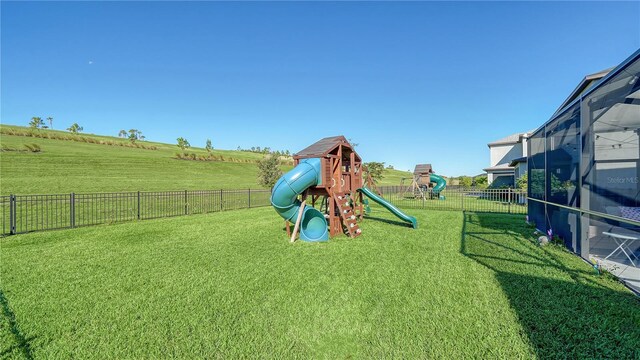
[411, 82]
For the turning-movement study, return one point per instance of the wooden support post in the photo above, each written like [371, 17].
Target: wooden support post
[298, 220]
[336, 223]
[352, 172]
[287, 225]
[338, 173]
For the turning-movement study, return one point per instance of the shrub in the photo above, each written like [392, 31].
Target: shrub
[7, 148]
[269, 171]
[34, 148]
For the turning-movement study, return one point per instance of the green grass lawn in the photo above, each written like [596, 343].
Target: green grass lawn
[71, 166]
[229, 285]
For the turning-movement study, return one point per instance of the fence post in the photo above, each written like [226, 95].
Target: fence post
[249, 198]
[462, 195]
[186, 209]
[72, 209]
[12, 214]
[138, 205]
[509, 208]
[220, 199]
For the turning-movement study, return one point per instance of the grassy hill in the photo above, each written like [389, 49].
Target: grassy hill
[94, 163]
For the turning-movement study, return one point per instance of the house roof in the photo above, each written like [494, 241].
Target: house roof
[323, 147]
[503, 168]
[511, 139]
[423, 169]
[514, 162]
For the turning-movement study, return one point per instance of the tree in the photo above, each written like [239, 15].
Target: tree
[50, 120]
[465, 181]
[122, 133]
[75, 128]
[134, 135]
[480, 181]
[375, 170]
[183, 143]
[208, 147]
[390, 167]
[36, 122]
[521, 183]
[269, 171]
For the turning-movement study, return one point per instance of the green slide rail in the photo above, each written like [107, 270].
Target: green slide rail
[389, 206]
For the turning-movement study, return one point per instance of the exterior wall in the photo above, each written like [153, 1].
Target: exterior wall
[524, 146]
[504, 154]
[520, 170]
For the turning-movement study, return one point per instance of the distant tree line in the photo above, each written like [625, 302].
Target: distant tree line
[132, 135]
[36, 122]
[266, 150]
[468, 181]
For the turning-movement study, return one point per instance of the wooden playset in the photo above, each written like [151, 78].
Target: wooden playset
[420, 182]
[424, 183]
[330, 173]
[342, 175]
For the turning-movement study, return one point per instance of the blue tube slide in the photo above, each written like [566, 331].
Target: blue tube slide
[284, 199]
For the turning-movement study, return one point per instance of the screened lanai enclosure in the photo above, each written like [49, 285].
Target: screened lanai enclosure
[583, 172]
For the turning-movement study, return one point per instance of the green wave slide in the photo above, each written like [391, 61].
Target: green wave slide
[284, 199]
[440, 183]
[389, 206]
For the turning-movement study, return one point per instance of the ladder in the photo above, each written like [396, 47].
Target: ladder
[347, 214]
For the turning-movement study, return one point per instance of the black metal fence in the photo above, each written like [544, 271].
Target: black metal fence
[511, 201]
[27, 213]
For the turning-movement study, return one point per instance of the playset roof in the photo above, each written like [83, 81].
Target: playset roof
[423, 169]
[323, 147]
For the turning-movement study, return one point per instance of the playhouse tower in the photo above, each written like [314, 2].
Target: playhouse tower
[341, 172]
